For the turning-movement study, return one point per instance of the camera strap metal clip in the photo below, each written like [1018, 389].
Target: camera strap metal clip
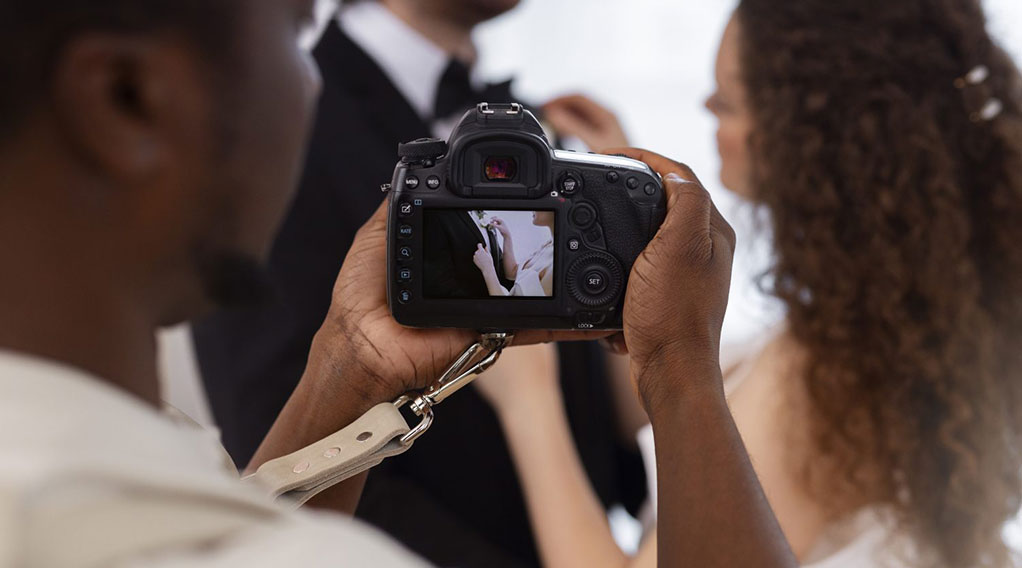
[380, 433]
[462, 372]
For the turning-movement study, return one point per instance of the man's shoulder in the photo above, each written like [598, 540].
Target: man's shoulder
[85, 519]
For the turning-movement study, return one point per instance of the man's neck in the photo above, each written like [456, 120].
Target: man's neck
[454, 37]
[56, 304]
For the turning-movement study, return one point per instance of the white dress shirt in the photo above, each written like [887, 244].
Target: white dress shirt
[413, 63]
[91, 476]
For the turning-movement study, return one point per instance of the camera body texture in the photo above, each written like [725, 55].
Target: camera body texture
[498, 231]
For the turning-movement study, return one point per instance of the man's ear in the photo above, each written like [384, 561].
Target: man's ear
[130, 106]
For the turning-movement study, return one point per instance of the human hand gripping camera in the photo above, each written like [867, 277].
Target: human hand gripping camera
[668, 303]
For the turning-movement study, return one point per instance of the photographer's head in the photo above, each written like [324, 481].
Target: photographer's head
[149, 146]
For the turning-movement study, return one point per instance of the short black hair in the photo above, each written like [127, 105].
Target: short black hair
[33, 32]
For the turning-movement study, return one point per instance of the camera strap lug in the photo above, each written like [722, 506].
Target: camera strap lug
[380, 433]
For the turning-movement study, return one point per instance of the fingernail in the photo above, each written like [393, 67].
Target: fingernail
[673, 177]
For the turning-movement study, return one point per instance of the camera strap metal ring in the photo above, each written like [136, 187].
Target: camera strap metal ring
[380, 433]
[462, 372]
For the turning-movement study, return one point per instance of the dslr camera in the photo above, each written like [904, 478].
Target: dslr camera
[497, 230]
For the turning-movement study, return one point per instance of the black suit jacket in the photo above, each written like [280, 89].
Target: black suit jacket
[450, 239]
[454, 497]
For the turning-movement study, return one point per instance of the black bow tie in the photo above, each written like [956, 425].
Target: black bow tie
[455, 94]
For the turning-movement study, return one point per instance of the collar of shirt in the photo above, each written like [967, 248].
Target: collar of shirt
[412, 62]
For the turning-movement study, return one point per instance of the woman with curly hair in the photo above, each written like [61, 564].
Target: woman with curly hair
[884, 140]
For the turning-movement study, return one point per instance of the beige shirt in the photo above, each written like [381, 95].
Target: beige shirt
[91, 476]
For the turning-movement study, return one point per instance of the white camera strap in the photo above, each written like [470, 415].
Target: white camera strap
[380, 433]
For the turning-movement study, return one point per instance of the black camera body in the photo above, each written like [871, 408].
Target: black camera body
[500, 231]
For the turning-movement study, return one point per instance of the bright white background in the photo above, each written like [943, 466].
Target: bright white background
[652, 61]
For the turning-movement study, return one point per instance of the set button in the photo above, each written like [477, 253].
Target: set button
[595, 282]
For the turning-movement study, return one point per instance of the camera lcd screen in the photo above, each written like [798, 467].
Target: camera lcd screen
[472, 254]
[500, 168]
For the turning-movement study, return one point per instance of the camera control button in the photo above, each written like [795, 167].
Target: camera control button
[595, 282]
[405, 231]
[433, 182]
[411, 182]
[613, 177]
[570, 184]
[404, 275]
[404, 253]
[583, 215]
[404, 296]
[574, 245]
[406, 209]
[650, 189]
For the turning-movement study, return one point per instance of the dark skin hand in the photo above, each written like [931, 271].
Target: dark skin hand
[361, 357]
[712, 510]
[674, 307]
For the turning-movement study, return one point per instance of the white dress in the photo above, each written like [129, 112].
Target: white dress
[864, 539]
[535, 276]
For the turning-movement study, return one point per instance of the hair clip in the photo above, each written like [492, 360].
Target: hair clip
[977, 75]
[990, 111]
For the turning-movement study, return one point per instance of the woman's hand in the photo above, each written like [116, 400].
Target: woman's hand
[678, 289]
[583, 118]
[501, 227]
[521, 375]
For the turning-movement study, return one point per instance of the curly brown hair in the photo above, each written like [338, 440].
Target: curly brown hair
[896, 212]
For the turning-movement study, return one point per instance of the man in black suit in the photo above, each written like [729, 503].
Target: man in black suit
[386, 82]
[450, 240]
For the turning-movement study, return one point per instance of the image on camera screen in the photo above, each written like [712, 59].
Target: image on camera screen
[488, 254]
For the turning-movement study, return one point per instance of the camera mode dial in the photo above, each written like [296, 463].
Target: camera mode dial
[595, 279]
[423, 150]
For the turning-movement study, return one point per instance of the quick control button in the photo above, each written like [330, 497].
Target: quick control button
[595, 282]
[595, 279]
[404, 296]
[574, 244]
[632, 183]
[404, 275]
[613, 177]
[594, 235]
[404, 253]
[406, 209]
[650, 189]
[405, 231]
[583, 215]
[570, 184]
[411, 182]
[433, 182]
